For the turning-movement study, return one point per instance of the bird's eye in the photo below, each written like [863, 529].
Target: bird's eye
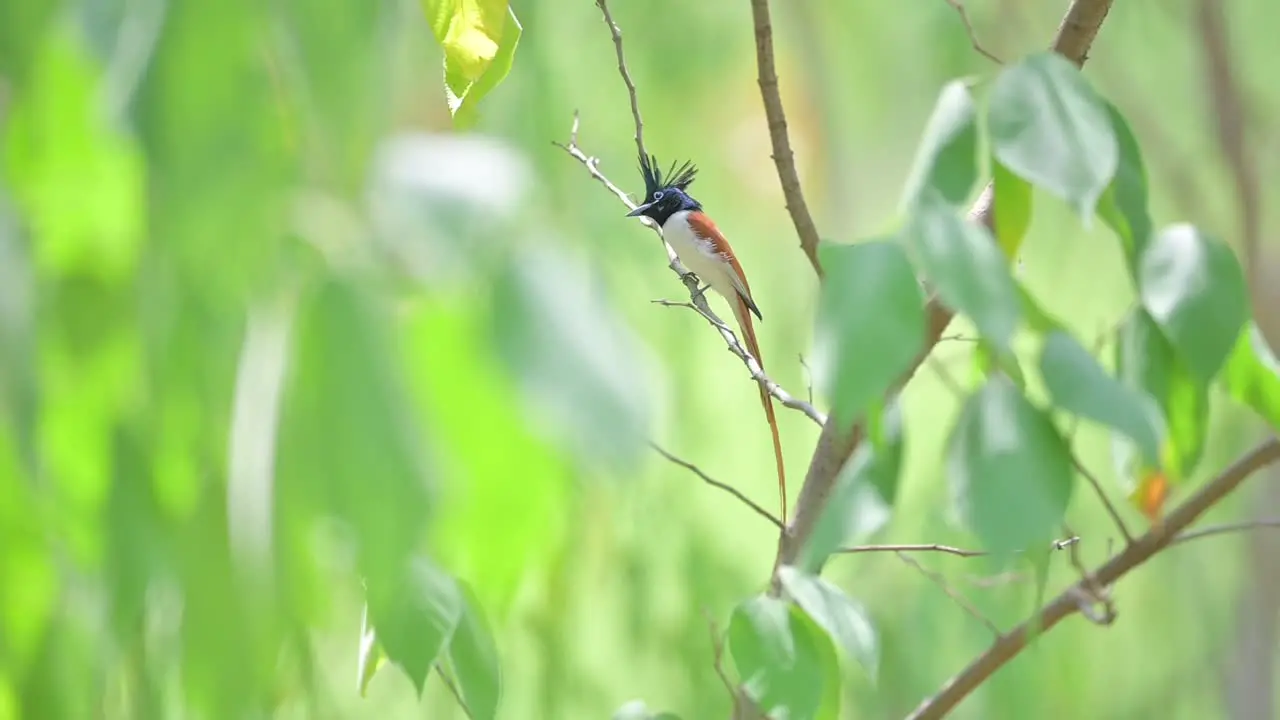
[658, 195]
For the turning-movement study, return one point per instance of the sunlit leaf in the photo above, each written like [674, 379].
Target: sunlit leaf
[1079, 385]
[479, 39]
[1010, 470]
[843, 618]
[1194, 289]
[1252, 375]
[1124, 205]
[1050, 127]
[1145, 360]
[580, 368]
[62, 152]
[946, 160]
[415, 617]
[966, 267]
[474, 659]
[865, 490]
[1013, 206]
[873, 301]
[779, 665]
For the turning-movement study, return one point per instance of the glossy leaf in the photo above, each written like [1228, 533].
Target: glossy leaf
[1124, 205]
[1194, 289]
[1252, 375]
[1010, 470]
[865, 490]
[844, 619]
[479, 39]
[579, 367]
[474, 659]
[966, 267]
[873, 301]
[1079, 385]
[415, 617]
[946, 161]
[777, 661]
[1050, 127]
[1145, 360]
[1013, 206]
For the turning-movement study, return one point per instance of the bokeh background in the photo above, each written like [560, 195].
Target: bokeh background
[255, 292]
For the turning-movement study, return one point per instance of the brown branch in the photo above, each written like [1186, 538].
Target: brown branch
[836, 443]
[720, 485]
[959, 599]
[960, 9]
[1069, 601]
[1102, 495]
[626, 74]
[783, 157]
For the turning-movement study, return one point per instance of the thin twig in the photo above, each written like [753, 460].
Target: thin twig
[1068, 602]
[934, 547]
[717, 651]
[783, 157]
[453, 688]
[1102, 495]
[717, 484]
[955, 596]
[735, 347]
[808, 371]
[959, 7]
[1225, 529]
[626, 74]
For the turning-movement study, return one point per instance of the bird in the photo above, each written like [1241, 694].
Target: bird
[703, 249]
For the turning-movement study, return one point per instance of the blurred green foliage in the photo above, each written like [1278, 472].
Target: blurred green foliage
[282, 350]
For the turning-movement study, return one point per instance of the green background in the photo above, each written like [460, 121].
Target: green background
[174, 173]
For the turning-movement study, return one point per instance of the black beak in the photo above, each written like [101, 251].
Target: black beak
[640, 210]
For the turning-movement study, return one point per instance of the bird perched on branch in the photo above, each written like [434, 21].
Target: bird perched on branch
[704, 250]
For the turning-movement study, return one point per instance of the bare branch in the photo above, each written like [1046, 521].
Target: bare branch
[717, 484]
[933, 547]
[626, 74]
[955, 595]
[1069, 602]
[1102, 495]
[753, 367]
[1224, 529]
[453, 689]
[783, 157]
[959, 7]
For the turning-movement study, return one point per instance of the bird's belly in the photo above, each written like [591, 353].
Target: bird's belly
[699, 256]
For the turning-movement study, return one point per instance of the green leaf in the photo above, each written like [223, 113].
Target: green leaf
[1193, 287]
[1013, 203]
[479, 39]
[1147, 361]
[1124, 205]
[946, 161]
[865, 490]
[1050, 127]
[778, 663]
[577, 363]
[873, 301]
[987, 360]
[1079, 385]
[474, 658]
[1252, 375]
[415, 617]
[967, 269]
[1010, 470]
[843, 618]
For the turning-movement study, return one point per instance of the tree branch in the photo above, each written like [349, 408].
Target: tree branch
[1069, 601]
[783, 157]
[720, 485]
[835, 444]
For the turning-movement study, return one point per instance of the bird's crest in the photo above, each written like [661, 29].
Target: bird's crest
[655, 180]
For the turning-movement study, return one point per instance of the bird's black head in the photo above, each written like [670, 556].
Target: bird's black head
[664, 193]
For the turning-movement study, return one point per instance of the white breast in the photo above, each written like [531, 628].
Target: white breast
[698, 254]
